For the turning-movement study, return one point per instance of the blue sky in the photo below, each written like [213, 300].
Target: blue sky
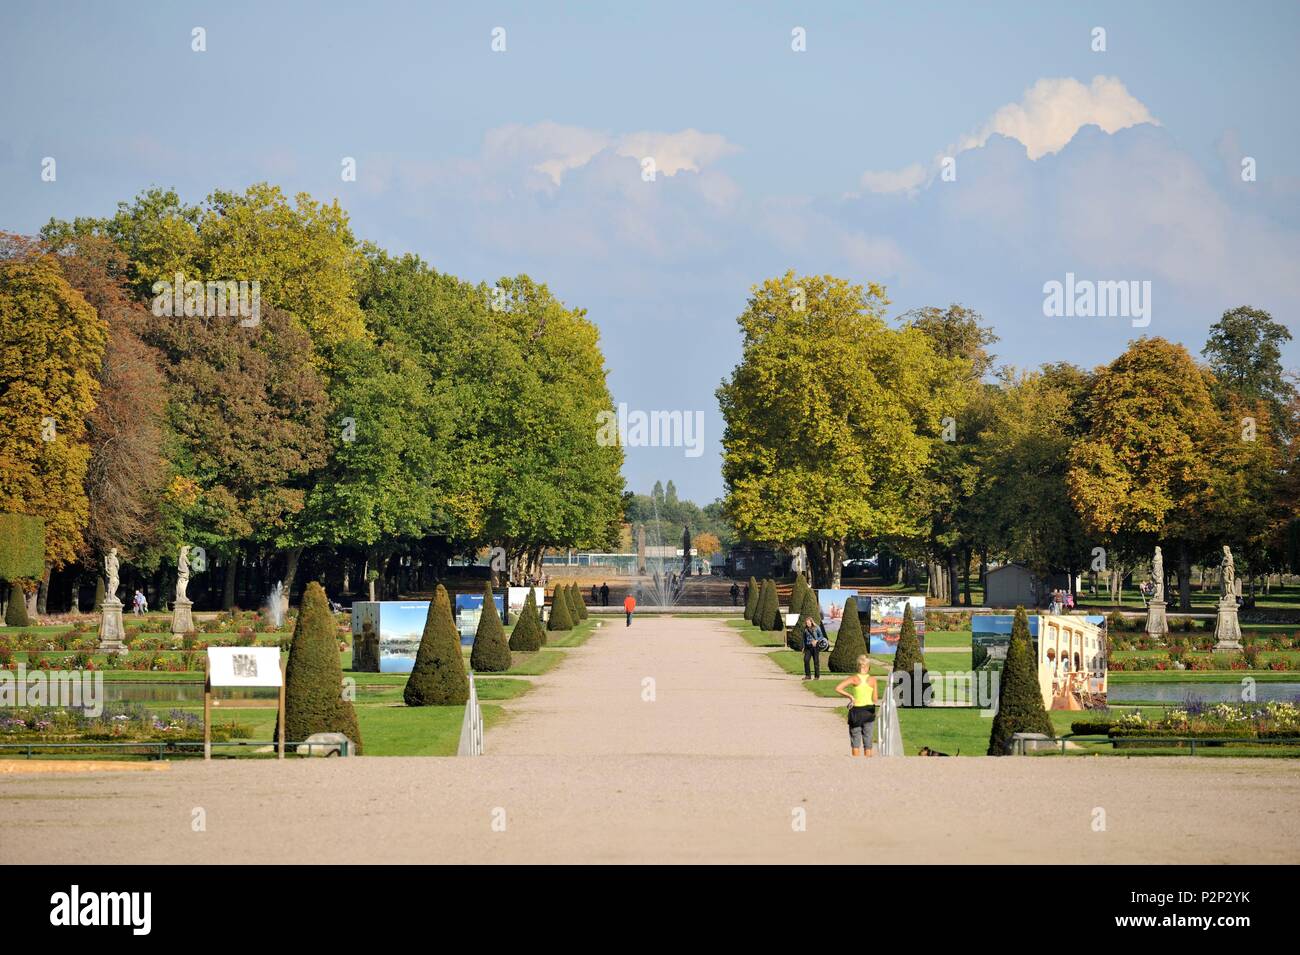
[1115, 165]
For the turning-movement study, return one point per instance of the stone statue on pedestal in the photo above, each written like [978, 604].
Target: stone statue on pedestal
[1157, 624]
[1227, 630]
[182, 619]
[111, 629]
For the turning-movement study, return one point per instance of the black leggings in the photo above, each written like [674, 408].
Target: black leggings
[816, 656]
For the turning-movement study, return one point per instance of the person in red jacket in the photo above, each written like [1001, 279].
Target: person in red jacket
[629, 604]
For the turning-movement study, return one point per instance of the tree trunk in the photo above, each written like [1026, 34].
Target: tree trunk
[228, 590]
[43, 589]
[1184, 578]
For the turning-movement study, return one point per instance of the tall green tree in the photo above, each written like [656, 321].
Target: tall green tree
[831, 418]
[51, 347]
[1142, 473]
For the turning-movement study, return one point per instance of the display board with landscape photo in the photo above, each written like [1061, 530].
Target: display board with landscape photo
[886, 614]
[399, 624]
[469, 607]
[831, 603]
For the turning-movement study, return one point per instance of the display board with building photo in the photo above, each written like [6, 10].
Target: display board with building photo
[1069, 650]
[886, 615]
[831, 604]
[469, 608]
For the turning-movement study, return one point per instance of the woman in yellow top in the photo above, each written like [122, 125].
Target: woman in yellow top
[860, 690]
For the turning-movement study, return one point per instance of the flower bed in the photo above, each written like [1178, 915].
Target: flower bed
[1197, 719]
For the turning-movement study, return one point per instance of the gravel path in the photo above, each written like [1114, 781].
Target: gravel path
[732, 761]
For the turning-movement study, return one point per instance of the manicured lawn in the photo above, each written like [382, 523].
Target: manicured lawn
[575, 637]
[386, 729]
[947, 638]
[755, 636]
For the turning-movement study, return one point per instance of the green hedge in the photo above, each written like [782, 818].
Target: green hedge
[22, 546]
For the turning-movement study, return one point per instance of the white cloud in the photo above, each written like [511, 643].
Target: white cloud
[1053, 110]
[1049, 115]
[688, 150]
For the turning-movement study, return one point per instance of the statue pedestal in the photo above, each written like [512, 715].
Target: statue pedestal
[182, 621]
[1227, 632]
[1157, 625]
[112, 632]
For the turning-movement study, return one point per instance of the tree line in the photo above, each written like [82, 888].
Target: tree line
[376, 418]
[844, 430]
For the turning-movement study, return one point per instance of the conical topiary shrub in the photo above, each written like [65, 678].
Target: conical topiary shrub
[1020, 701]
[849, 642]
[580, 603]
[313, 678]
[766, 610]
[16, 610]
[810, 608]
[491, 653]
[797, 592]
[751, 599]
[571, 595]
[778, 615]
[909, 659]
[559, 619]
[438, 677]
[528, 635]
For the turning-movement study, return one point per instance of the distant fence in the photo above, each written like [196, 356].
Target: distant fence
[164, 748]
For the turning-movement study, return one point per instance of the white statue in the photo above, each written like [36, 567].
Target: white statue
[1228, 572]
[182, 573]
[1158, 575]
[110, 572]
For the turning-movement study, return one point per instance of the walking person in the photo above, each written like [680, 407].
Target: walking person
[604, 594]
[595, 594]
[735, 593]
[137, 603]
[629, 604]
[814, 641]
[860, 689]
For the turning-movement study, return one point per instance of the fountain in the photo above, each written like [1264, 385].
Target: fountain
[666, 587]
[275, 605]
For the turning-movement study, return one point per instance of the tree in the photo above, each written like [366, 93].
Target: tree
[528, 635]
[1142, 472]
[751, 600]
[560, 618]
[707, 544]
[1020, 702]
[1245, 354]
[249, 412]
[909, 660]
[491, 652]
[831, 417]
[126, 477]
[438, 677]
[849, 642]
[51, 347]
[313, 691]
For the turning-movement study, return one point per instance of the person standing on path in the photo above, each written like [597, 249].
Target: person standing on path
[814, 640]
[629, 604]
[604, 594]
[595, 595]
[735, 593]
[860, 690]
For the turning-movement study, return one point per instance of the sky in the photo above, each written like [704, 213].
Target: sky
[952, 152]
